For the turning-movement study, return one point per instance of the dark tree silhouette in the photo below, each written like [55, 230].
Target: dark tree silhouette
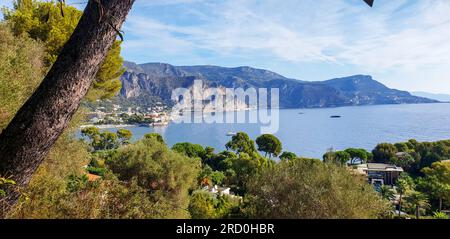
[369, 2]
[41, 120]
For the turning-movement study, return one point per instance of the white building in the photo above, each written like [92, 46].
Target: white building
[218, 190]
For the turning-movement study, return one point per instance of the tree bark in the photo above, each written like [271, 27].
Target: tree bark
[41, 120]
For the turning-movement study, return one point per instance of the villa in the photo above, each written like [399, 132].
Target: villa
[380, 174]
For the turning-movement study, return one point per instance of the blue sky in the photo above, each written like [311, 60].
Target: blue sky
[403, 43]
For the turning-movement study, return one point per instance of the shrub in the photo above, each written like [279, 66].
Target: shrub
[304, 188]
[166, 175]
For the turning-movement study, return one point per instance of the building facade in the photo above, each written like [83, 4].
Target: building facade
[380, 174]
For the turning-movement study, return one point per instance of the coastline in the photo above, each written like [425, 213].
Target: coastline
[107, 126]
[174, 117]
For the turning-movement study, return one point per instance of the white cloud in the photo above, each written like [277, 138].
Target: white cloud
[402, 36]
[233, 27]
[424, 40]
[405, 44]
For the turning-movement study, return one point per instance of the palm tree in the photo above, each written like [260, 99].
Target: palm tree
[387, 193]
[403, 184]
[418, 201]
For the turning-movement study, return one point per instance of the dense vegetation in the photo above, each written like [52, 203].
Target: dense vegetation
[413, 156]
[425, 185]
[308, 188]
[146, 179]
[43, 22]
[423, 188]
[20, 71]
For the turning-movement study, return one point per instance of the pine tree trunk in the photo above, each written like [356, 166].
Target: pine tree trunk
[41, 120]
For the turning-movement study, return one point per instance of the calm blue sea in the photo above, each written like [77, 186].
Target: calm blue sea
[310, 132]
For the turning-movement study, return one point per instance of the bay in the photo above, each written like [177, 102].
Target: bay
[310, 132]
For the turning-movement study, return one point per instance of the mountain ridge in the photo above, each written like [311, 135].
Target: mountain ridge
[159, 79]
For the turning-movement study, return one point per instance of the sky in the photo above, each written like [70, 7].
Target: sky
[404, 44]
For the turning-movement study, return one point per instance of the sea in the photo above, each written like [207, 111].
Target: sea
[311, 132]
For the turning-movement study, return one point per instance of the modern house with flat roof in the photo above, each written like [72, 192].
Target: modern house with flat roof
[380, 174]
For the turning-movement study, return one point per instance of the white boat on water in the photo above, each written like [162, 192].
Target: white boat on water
[231, 134]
